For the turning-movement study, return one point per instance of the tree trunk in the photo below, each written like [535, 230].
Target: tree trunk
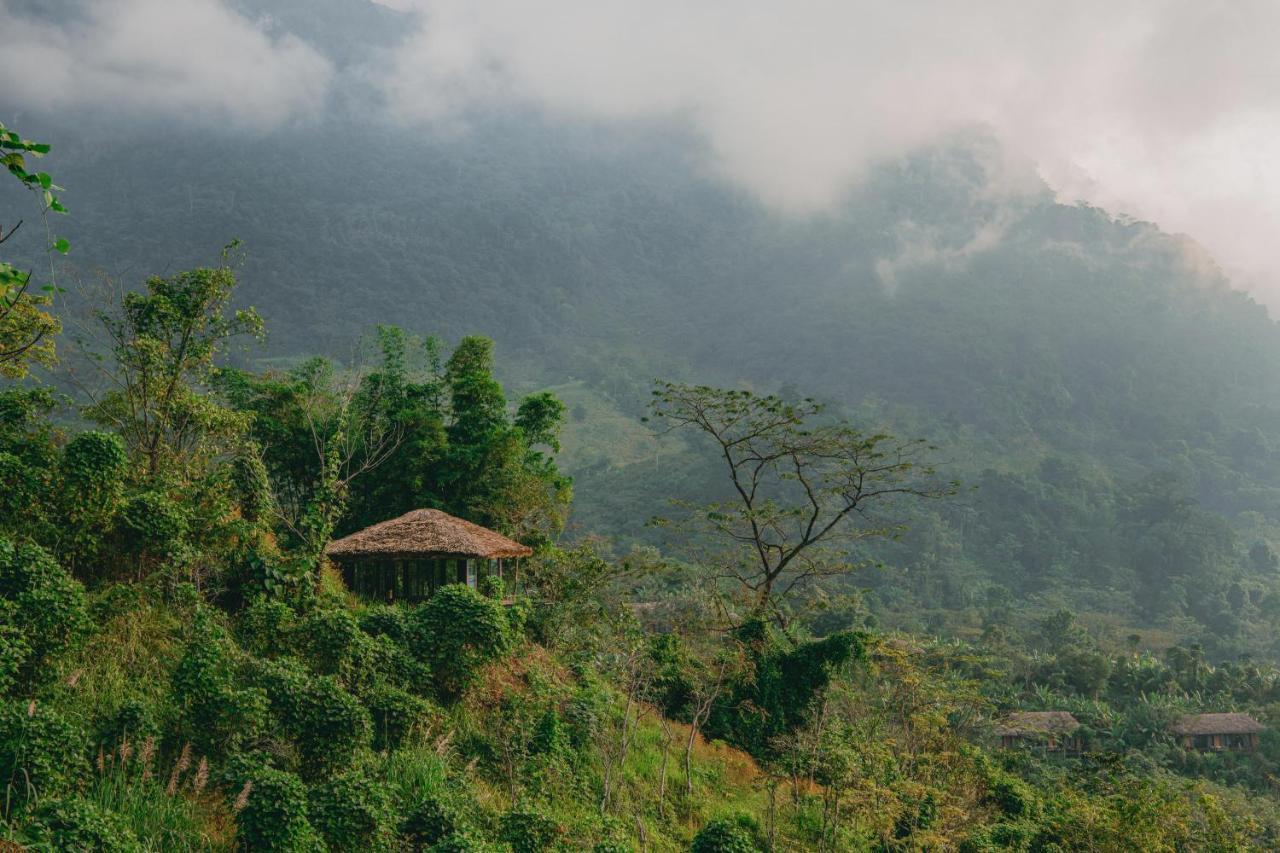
[662, 772]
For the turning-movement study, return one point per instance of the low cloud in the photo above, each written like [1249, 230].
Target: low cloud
[1163, 110]
[194, 57]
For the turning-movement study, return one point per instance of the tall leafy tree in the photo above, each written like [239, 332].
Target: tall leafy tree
[164, 344]
[493, 468]
[317, 430]
[408, 387]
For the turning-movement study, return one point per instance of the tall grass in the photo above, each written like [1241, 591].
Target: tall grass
[171, 811]
[129, 657]
[414, 774]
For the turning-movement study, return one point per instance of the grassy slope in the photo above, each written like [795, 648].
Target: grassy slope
[131, 660]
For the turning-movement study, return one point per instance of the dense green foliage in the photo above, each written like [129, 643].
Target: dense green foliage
[180, 668]
[1068, 371]
[458, 631]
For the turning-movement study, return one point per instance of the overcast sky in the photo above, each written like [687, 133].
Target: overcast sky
[1168, 111]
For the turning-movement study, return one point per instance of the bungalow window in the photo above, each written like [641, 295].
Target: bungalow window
[471, 573]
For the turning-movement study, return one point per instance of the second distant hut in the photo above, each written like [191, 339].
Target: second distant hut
[1218, 732]
[1048, 731]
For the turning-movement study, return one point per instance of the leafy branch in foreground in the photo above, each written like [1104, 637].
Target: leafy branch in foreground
[802, 490]
[26, 327]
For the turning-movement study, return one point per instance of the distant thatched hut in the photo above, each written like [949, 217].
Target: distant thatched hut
[1218, 732]
[410, 557]
[1051, 731]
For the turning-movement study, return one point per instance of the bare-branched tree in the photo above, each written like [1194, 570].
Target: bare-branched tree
[803, 488]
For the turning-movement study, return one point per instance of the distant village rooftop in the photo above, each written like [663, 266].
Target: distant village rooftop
[1025, 723]
[425, 533]
[1048, 731]
[1217, 724]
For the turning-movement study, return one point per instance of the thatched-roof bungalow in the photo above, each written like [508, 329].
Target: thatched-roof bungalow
[1051, 731]
[410, 557]
[1218, 732]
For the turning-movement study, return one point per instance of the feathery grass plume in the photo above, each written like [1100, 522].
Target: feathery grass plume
[202, 775]
[184, 761]
[242, 799]
[102, 760]
[442, 745]
[126, 751]
[145, 754]
[31, 708]
[74, 678]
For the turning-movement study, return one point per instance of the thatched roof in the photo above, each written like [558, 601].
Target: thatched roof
[1022, 723]
[1217, 724]
[425, 533]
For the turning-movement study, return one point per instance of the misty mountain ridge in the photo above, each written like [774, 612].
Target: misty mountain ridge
[948, 295]
[660, 427]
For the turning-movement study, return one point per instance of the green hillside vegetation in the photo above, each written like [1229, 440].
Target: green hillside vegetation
[811, 649]
[1068, 368]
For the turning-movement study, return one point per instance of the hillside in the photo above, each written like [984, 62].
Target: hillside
[183, 667]
[1065, 362]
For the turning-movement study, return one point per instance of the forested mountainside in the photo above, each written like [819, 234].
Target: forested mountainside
[725, 602]
[1097, 380]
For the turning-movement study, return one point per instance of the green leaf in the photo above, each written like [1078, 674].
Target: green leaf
[62, 244]
[40, 148]
[45, 179]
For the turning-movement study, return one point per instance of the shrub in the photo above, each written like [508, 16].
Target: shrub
[274, 816]
[585, 712]
[1012, 796]
[329, 640]
[216, 712]
[528, 831]
[391, 664]
[672, 683]
[431, 821]
[386, 620]
[42, 754]
[727, 835]
[548, 735]
[152, 524]
[457, 632]
[395, 713]
[492, 586]
[134, 720]
[327, 723]
[332, 642]
[352, 812]
[46, 607]
[1000, 836]
[15, 651]
[265, 626]
[463, 843]
[90, 486]
[775, 693]
[77, 824]
[610, 846]
[251, 484]
[22, 510]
